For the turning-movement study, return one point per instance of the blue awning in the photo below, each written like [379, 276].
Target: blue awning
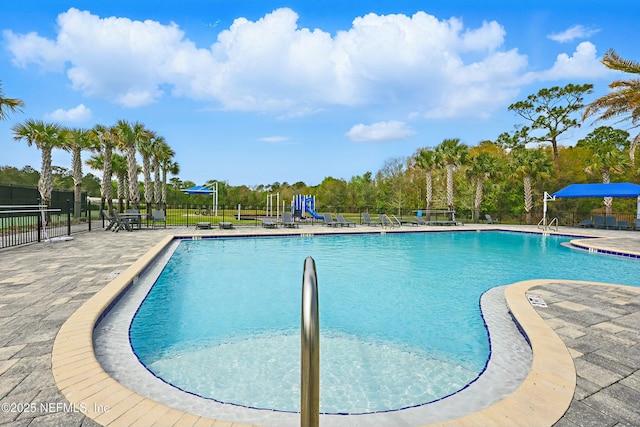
[614, 189]
[198, 189]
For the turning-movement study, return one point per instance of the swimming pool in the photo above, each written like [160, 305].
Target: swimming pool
[410, 325]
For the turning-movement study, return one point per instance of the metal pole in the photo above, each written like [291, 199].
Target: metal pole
[310, 345]
[68, 218]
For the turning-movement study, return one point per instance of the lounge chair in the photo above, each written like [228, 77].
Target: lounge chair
[111, 219]
[490, 220]
[386, 221]
[287, 220]
[598, 221]
[343, 222]
[121, 223]
[158, 216]
[421, 221]
[407, 221]
[269, 223]
[587, 223]
[203, 225]
[624, 225]
[610, 221]
[366, 220]
[329, 221]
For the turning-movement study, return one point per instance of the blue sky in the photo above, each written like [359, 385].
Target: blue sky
[254, 92]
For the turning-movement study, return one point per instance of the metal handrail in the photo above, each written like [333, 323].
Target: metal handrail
[310, 345]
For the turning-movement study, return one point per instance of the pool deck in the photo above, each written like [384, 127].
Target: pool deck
[42, 285]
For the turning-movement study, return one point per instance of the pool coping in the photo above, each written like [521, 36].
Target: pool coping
[542, 398]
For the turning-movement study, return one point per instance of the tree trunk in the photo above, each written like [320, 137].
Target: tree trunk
[478, 200]
[450, 186]
[608, 201]
[105, 188]
[528, 197]
[156, 185]
[134, 195]
[76, 161]
[46, 177]
[429, 195]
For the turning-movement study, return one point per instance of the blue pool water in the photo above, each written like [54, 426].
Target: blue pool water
[399, 313]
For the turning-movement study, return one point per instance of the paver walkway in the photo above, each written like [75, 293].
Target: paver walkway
[42, 284]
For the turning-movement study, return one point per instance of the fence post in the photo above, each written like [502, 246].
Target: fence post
[89, 213]
[68, 217]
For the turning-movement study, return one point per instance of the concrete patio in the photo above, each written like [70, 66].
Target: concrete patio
[41, 285]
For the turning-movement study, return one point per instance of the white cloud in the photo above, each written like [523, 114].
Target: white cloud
[381, 131]
[572, 33]
[76, 115]
[274, 139]
[434, 68]
[584, 63]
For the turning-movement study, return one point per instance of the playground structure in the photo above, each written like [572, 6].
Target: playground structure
[304, 204]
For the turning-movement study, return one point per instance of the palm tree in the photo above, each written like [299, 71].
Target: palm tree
[427, 160]
[46, 137]
[120, 169]
[129, 136]
[105, 140]
[624, 99]
[483, 165]
[168, 166]
[162, 153]
[608, 146]
[451, 154]
[76, 141]
[529, 163]
[8, 104]
[146, 146]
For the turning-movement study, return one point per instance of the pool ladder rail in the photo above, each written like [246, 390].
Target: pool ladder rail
[310, 345]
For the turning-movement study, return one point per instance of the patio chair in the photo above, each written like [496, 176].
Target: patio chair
[413, 222]
[158, 216]
[598, 221]
[121, 223]
[624, 225]
[343, 221]
[366, 219]
[269, 223]
[287, 220]
[490, 220]
[610, 221]
[636, 224]
[111, 219]
[329, 221]
[421, 221]
[586, 223]
[134, 217]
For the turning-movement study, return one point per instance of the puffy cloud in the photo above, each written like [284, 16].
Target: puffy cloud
[572, 33]
[431, 67]
[582, 64]
[381, 131]
[78, 114]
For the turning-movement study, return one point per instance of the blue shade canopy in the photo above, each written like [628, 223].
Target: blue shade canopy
[198, 189]
[614, 189]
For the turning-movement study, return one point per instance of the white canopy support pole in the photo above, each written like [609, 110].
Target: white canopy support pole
[547, 196]
[638, 207]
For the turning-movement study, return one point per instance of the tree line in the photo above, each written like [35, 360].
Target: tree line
[505, 175]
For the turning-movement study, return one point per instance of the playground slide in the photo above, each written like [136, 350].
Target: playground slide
[311, 211]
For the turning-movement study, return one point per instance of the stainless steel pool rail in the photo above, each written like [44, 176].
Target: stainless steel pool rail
[310, 345]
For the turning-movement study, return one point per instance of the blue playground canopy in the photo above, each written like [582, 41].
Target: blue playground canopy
[198, 189]
[614, 189]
